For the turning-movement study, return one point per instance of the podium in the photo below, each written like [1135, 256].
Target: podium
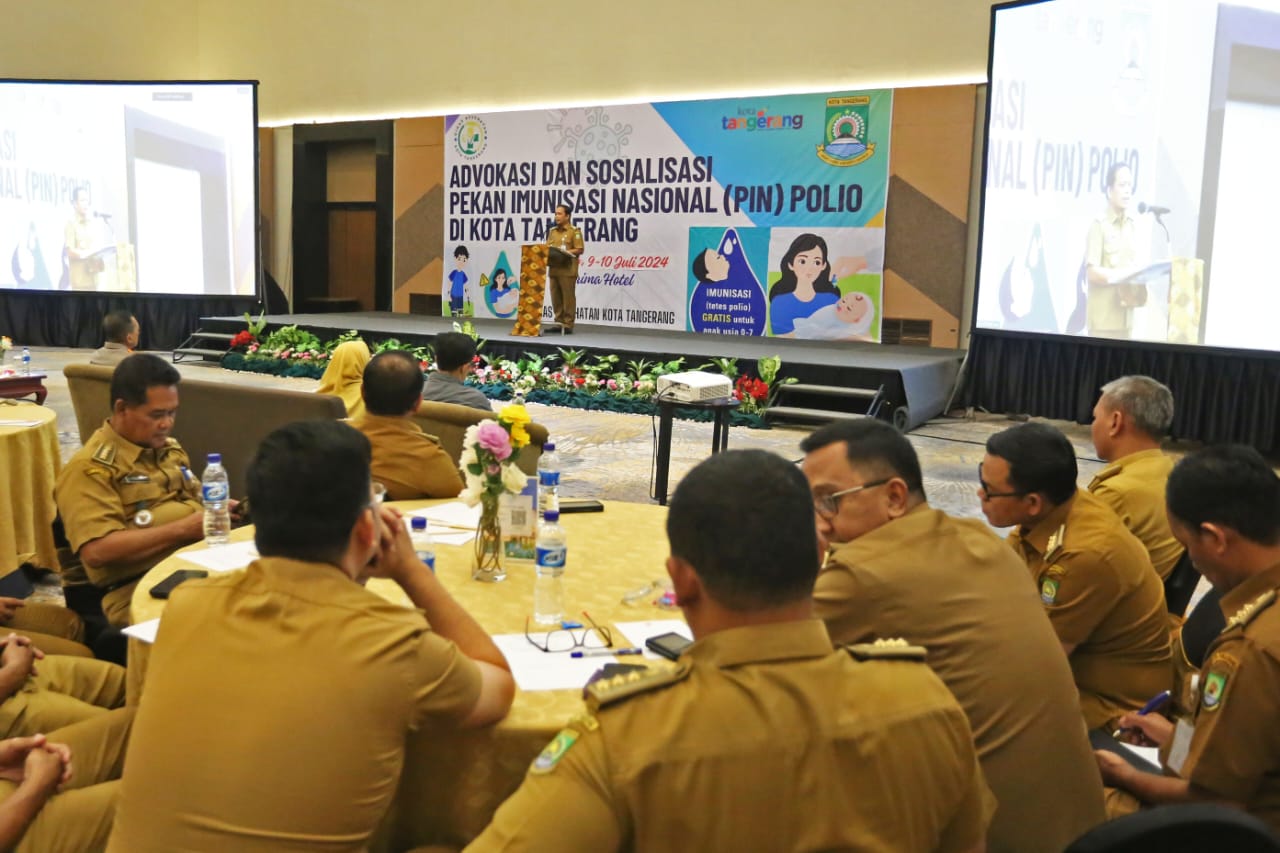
[111, 268]
[533, 288]
[1186, 300]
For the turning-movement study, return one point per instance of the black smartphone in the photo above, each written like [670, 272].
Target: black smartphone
[568, 505]
[669, 645]
[166, 586]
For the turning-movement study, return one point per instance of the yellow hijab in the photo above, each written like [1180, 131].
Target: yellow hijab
[344, 375]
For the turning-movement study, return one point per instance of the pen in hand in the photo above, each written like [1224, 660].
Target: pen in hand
[1155, 703]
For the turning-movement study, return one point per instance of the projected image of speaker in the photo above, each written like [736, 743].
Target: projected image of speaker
[129, 187]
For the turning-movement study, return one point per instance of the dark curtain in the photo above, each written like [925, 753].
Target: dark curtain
[75, 319]
[1217, 397]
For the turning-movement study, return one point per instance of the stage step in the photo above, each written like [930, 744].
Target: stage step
[832, 391]
[194, 352]
[794, 413]
[196, 346]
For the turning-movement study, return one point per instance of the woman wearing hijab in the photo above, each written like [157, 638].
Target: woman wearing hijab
[342, 377]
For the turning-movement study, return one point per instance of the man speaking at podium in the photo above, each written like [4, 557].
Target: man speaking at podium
[565, 242]
[1110, 257]
[83, 237]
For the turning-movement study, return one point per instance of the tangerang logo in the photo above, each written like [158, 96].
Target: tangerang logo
[750, 118]
[845, 131]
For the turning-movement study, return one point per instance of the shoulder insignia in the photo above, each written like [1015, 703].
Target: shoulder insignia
[1105, 474]
[882, 649]
[1054, 546]
[608, 691]
[1217, 676]
[554, 751]
[1049, 588]
[1246, 614]
[106, 454]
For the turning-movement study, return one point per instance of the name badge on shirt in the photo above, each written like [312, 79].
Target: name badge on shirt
[137, 478]
[1180, 746]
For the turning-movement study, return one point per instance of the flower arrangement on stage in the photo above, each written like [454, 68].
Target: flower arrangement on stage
[488, 464]
[569, 377]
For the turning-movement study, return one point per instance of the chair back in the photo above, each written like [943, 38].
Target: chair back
[1190, 828]
[1180, 585]
[1202, 626]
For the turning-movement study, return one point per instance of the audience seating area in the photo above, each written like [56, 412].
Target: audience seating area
[222, 417]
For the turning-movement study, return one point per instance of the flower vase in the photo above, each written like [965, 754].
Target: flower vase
[488, 565]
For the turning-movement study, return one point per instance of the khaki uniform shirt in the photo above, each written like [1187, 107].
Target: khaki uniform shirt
[110, 354]
[1134, 487]
[1234, 749]
[771, 740]
[953, 587]
[1111, 244]
[410, 463]
[566, 237]
[107, 484]
[1102, 595]
[277, 704]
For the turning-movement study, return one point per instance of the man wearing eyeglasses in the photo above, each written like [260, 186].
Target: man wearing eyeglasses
[763, 737]
[1095, 579]
[897, 567]
[279, 698]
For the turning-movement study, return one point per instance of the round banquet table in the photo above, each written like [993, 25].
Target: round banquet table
[453, 780]
[30, 460]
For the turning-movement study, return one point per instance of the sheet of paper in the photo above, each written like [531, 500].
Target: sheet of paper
[223, 558]
[455, 514]
[1146, 753]
[535, 669]
[449, 536]
[144, 631]
[637, 632]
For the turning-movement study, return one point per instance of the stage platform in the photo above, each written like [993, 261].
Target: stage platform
[917, 380]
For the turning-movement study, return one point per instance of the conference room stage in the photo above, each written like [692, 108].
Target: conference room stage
[917, 381]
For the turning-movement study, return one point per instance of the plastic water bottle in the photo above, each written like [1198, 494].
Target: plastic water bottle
[26, 361]
[548, 480]
[552, 550]
[217, 511]
[422, 544]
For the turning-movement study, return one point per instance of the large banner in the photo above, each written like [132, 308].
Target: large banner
[751, 216]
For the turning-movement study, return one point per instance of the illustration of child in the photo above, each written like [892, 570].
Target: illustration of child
[458, 292]
[849, 319]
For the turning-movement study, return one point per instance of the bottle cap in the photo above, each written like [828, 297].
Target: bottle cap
[418, 523]
[551, 515]
[215, 458]
[549, 447]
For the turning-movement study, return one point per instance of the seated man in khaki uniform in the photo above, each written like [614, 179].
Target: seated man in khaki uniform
[120, 333]
[40, 694]
[128, 498]
[53, 629]
[1094, 577]
[410, 463]
[1130, 419]
[279, 698]
[58, 793]
[897, 567]
[455, 353]
[1224, 507]
[762, 736]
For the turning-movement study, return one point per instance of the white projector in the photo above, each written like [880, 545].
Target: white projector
[694, 386]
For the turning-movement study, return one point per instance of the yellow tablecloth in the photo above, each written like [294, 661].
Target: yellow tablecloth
[29, 463]
[454, 781]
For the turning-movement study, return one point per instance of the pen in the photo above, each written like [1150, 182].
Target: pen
[597, 653]
[1154, 703]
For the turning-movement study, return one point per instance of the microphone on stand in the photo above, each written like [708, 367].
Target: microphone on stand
[1154, 209]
